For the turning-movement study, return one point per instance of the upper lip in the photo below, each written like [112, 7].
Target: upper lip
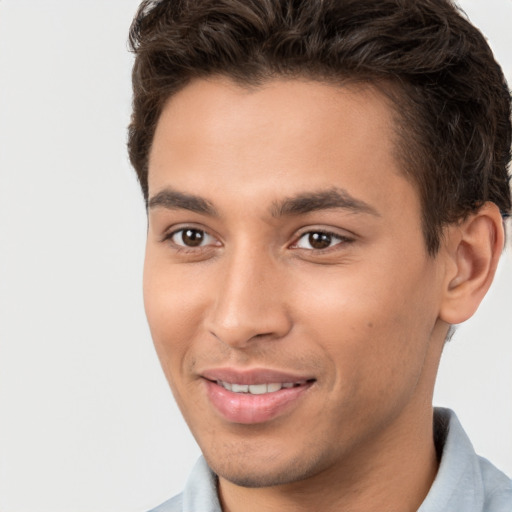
[253, 376]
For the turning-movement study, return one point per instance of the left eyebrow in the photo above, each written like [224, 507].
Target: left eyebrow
[174, 200]
[322, 200]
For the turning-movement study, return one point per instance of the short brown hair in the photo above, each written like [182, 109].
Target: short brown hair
[450, 96]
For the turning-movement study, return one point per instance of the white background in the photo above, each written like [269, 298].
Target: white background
[86, 420]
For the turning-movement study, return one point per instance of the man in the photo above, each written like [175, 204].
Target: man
[326, 183]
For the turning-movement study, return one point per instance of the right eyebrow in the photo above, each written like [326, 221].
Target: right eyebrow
[322, 200]
[174, 200]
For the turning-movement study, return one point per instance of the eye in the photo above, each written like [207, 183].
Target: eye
[318, 240]
[191, 237]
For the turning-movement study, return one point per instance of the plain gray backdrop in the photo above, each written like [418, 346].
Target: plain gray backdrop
[87, 422]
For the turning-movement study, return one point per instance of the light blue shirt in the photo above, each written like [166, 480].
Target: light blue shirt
[465, 482]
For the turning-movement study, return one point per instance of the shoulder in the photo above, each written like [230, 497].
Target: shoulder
[173, 505]
[199, 494]
[464, 481]
[497, 488]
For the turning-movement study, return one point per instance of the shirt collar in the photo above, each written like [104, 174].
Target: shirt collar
[200, 491]
[458, 484]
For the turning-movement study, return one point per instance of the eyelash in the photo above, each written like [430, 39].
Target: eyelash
[187, 248]
[341, 240]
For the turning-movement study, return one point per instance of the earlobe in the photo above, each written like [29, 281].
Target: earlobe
[474, 247]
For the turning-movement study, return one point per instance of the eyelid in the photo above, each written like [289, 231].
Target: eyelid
[342, 239]
[173, 230]
[205, 241]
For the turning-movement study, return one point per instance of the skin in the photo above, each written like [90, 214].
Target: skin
[366, 317]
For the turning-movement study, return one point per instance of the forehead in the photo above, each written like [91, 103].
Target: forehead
[216, 107]
[283, 137]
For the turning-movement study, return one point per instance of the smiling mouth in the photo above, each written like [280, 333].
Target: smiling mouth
[260, 389]
[255, 397]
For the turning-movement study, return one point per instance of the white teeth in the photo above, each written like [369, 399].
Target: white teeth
[239, 388]
[227, 385]
[258, 389]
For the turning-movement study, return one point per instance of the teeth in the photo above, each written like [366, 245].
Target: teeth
[258, 389]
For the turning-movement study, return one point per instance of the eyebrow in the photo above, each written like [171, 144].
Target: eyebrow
[297, 205]
[322, 200]
[174, 200]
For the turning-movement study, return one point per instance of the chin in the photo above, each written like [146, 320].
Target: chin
[256, 473]
[259, 479]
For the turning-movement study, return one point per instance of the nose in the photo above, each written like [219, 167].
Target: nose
[250, 303]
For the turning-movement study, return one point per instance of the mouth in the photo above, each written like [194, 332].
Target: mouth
[260, 389]
[256, 396]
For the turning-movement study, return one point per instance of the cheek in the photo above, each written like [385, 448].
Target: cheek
[372, 326]
[172, 308]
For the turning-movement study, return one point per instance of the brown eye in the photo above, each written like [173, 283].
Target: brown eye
[318, 240]
[190, 237]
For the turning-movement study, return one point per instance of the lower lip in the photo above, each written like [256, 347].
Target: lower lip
[246, 408]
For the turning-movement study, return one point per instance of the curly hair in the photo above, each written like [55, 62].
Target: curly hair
[450, 98]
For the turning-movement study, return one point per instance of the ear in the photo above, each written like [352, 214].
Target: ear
[473, 248]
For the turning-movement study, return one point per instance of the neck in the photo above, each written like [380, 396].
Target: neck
[394, 474]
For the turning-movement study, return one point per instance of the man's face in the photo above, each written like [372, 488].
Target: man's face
[287, 286]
